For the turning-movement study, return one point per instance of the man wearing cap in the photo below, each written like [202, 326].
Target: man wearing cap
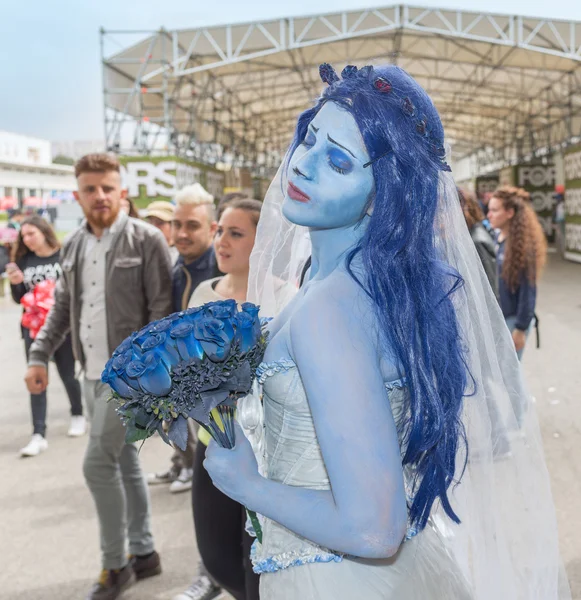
[160, 214]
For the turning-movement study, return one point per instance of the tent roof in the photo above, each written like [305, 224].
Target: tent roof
[502, 83]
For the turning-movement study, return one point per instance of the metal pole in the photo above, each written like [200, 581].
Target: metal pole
[103, 85]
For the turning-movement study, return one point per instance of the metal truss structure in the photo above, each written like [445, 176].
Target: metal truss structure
[507, 87]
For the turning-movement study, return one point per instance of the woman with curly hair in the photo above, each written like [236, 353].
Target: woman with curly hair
[521, 255]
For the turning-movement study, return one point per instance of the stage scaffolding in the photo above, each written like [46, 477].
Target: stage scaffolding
[508, 87]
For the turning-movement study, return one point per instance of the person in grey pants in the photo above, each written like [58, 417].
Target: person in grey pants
[116, 279]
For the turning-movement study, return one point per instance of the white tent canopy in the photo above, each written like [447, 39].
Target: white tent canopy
[506, 86]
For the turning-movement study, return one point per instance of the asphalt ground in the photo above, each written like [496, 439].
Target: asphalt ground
[48, 528]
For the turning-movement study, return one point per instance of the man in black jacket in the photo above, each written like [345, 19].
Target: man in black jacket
[193, 228]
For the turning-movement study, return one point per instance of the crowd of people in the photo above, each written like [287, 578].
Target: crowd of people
[116, 273]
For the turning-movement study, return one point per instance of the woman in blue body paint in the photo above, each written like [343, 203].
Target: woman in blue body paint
[388, 378]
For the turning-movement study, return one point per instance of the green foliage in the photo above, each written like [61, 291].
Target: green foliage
[60, 159]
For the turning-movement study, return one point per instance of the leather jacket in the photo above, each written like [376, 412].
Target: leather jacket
[137, 286]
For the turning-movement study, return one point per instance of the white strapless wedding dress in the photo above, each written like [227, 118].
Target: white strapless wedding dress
[292, 567]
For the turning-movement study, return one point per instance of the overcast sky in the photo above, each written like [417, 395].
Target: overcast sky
[50, 74]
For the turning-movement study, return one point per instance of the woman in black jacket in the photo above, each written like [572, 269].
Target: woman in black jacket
[480, 236]
[35, 259]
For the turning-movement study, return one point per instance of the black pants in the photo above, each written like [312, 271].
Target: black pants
[65, 364]
[223, 543]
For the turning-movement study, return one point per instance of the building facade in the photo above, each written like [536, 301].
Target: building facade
[27, 175]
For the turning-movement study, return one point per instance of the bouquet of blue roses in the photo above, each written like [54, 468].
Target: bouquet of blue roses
[192, 364]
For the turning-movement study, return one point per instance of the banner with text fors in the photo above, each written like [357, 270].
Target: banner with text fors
[573, 203]
[149, 178]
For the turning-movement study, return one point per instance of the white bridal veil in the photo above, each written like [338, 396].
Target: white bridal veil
[507, 543]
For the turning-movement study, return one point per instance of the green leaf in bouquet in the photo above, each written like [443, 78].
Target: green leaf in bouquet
[135, 434]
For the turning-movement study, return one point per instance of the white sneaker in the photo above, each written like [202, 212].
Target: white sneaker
[183, 483]
[78, 426]
[200, 589]
[36, 445]
[162, 477]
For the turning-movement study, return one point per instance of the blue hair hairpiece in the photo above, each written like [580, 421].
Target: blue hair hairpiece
[384, 86]
[411, 287]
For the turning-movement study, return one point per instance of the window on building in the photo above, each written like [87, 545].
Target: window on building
[33, 155]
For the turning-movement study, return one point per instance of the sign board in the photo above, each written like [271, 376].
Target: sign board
[150, 178]
[573, 204]
[539, 180]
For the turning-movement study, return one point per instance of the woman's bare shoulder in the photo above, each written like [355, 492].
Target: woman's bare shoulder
[340, 297]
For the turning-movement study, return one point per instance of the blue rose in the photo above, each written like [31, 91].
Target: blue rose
[221, 309]
[245, 332]
[252, 310]
[187, 344]
[190, 315]
[142, 333]
[164, 346]
[139, 338]
[120, 364]
[161, 326]
[192, 312]
[214, 340]
[135, 369]
[125, 344]
[226, 312]
[228, 303]
[164, 324]
[154, 377]
[112, 379]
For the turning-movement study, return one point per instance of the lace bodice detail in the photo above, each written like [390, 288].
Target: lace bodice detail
[293, 457]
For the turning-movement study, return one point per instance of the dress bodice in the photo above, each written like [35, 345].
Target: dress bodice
[292, 456]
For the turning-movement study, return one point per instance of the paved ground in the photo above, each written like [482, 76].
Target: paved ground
[48, 531]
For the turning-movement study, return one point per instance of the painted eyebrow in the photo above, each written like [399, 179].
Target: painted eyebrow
[340, 146]
[315, 129]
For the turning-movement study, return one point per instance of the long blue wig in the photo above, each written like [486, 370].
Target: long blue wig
[410, 286]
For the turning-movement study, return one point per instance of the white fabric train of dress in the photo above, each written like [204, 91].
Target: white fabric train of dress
[292, 567]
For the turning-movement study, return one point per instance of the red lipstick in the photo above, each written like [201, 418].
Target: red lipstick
[296, 194]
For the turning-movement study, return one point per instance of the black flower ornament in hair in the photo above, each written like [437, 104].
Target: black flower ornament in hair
[328, 74]
[349, 71]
